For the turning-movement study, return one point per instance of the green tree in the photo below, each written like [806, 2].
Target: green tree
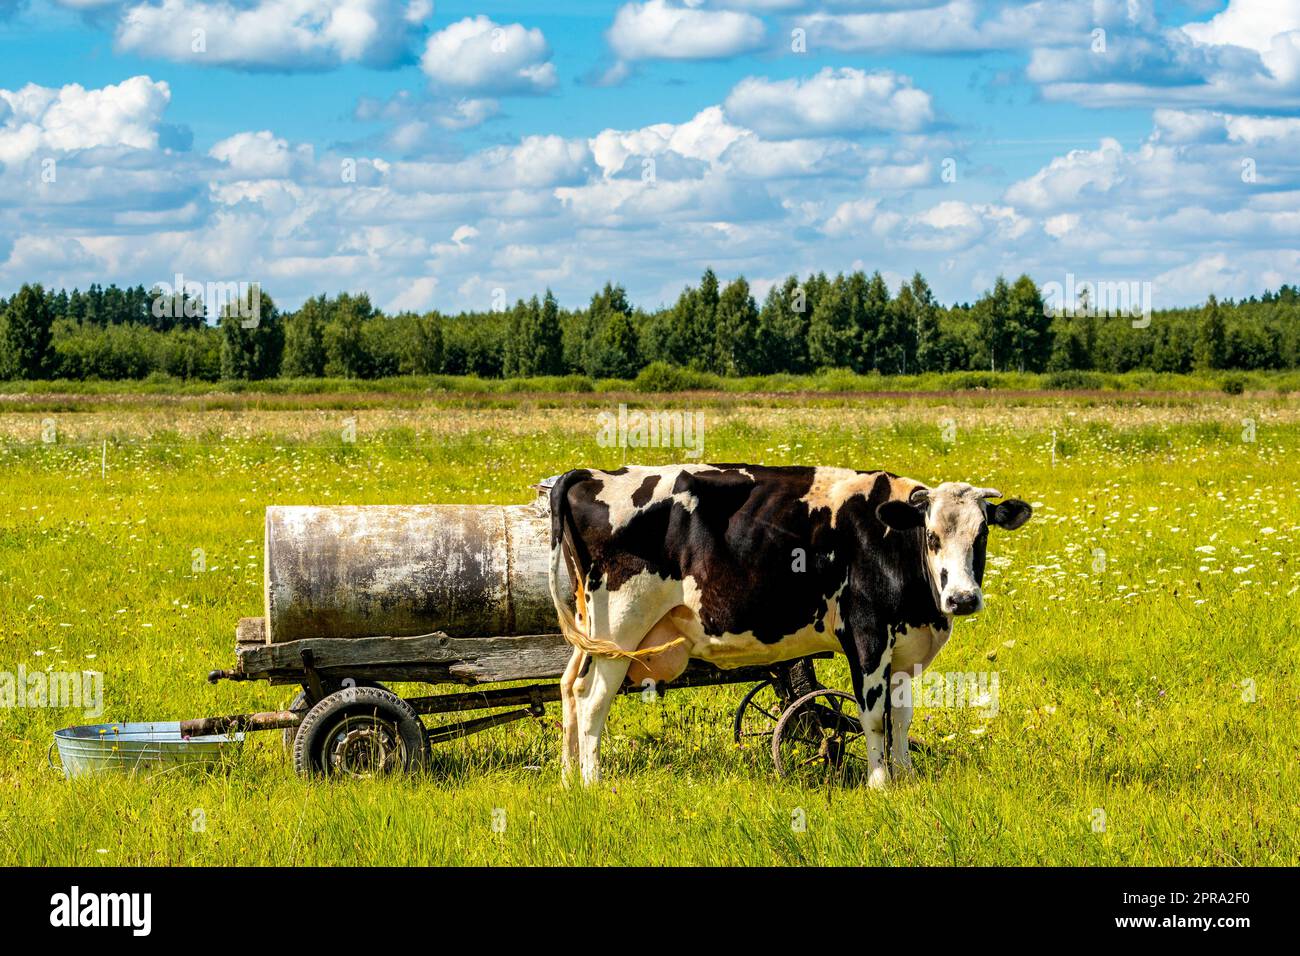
[736, 348]
[692, 334]
[619, 353]
[424, 345]
[833, 339]
[28, 333]
[252, 337]
[344, 338]
[516, 356]
[1028, 327]
[783, 329]
[886, 342]
[923, 312]
[548, 338]
[605, 353]
[1212, 337]
[992, 315]
[304, 340]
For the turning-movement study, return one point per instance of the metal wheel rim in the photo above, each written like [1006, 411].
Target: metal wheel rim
[822, 741]
[363, 746]
[748, 705]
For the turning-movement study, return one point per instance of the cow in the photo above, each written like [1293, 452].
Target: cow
[746, 565]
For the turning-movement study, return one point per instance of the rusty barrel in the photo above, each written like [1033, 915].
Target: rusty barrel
[380, 570]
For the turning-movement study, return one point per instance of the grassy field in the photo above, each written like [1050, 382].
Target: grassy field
[1143, 628]
[656, 378]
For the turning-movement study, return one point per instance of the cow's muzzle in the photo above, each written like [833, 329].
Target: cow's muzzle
[963, 602]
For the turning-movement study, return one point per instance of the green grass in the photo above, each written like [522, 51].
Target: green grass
[1121, 686]
[660, 378]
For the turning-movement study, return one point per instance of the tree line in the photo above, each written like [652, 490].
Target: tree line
[849, 321]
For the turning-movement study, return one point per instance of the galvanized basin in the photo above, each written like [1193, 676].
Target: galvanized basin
[135, 747]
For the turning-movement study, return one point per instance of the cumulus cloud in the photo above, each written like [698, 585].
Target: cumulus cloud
[567, 210]
[281, 35]
[969, 26]
[260, 155]
[659, 30]
[537, 162]
[477, 55]
[73, 118]
[1253, 24]
[1247, 56]
[845, 100]
[706, 136]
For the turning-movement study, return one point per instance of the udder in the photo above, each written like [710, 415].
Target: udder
[668, 664]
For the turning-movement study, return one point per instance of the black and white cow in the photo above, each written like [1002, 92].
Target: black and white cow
[745, 564]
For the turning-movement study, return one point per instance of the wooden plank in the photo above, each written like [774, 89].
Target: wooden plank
[434, 658]
[439, 659]
[250, 630]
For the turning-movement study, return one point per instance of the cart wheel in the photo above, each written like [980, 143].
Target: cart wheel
[757, 715]
[360, 732]
[300, 704]
[819, 740]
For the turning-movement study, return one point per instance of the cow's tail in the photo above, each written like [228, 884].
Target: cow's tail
[566, 542]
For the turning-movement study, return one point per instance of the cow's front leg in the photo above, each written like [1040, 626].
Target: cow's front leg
[900, 720]
[596, 689]
[870, 653]
[876, 715]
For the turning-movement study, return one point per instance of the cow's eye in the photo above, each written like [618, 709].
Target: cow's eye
[932, 540]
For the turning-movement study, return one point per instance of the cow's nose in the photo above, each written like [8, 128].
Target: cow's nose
[964, 602]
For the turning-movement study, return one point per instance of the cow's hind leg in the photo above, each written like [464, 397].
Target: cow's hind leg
[569, 706]
[596, 689]
[624, 618]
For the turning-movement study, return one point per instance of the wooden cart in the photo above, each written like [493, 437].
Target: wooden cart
[333, 575]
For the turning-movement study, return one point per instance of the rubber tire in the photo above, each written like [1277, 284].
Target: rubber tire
[324, 716]
[299, 705]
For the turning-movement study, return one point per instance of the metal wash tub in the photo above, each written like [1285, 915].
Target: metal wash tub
[135, 747]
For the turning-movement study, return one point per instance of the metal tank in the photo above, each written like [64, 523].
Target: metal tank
[402, 570]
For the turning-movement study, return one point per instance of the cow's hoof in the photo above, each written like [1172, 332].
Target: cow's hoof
[879, 779]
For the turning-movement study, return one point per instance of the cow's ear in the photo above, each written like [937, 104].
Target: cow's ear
[1010, 514]
[900, 516]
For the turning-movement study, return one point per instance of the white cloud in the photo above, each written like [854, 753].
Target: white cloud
[845, 100]
[1247, 56]
[477, 55]
[968, 26]
[538, 162]
[418, 296]
[569, 211]
[73, 118]
[851, 217]
[901, 175]
[289, 35]
[658, 30]
[1079, 176]
[704, 137]
[260, 155]
[1253, 24]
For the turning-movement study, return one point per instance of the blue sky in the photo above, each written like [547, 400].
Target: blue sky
[448, 155]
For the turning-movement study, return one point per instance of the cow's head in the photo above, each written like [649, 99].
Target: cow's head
[955, 519]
